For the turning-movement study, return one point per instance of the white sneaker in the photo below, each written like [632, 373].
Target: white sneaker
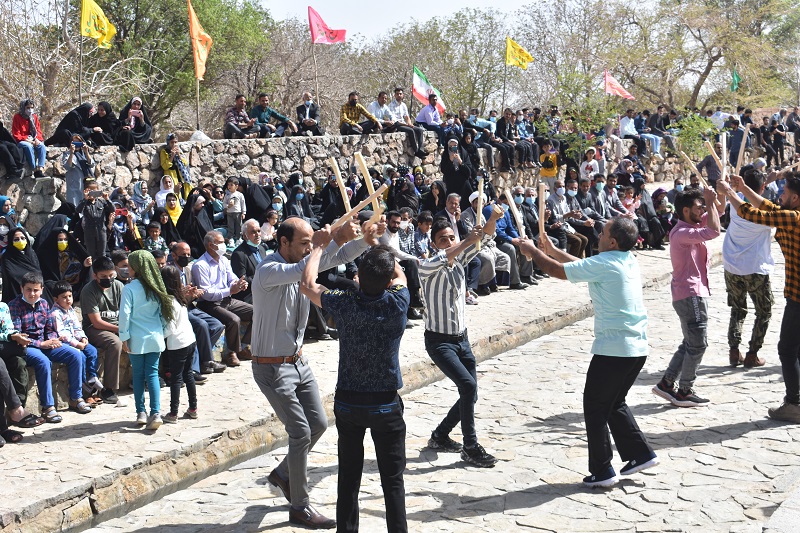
[154, 422]
[141, 418]
[471, 300]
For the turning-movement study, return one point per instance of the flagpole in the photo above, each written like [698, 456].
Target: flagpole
[316, 74]
[197, 97]
[505, 75]
[80, 68]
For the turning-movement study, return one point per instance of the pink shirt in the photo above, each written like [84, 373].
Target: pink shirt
[690, 260]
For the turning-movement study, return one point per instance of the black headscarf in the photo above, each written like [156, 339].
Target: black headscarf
[406, 196]
[16, 263]
[301, 209]
[256, 199]
[168, 230]
[429, 203]
[194, 226]
[108, 123]
[76, 122]
[46, 248]
[143, 132]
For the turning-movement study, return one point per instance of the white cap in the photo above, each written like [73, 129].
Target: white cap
[474, 196]
[759, 163]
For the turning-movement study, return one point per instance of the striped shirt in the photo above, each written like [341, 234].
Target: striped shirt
[444, 289]
[787, 222]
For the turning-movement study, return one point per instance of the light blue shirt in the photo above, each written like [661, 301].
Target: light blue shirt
[140, 321]
[615, 286]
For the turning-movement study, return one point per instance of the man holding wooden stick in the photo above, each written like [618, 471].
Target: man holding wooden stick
[620, 347]
[280, 314]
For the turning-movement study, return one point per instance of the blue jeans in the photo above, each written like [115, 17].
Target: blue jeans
[388, 431]
[456, 361]
[90, 361]
[693, 314]
[655, 142]
[34, 155]
[41, 360]
[207, 331]
[145, 369]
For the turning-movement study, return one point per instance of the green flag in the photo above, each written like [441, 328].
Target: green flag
[735, 79]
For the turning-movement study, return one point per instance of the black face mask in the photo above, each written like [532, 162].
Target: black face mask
[182, 261]
[353, 103]
[105, 282]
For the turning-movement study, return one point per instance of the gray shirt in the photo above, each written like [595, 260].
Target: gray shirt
[280, 312]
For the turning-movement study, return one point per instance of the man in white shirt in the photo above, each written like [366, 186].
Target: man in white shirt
[430, 119]
[402, 122]
[410, 263]
[748, 262]
[627, 130]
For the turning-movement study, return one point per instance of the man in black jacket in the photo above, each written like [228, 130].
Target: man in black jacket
[308, 117]
[246, 257]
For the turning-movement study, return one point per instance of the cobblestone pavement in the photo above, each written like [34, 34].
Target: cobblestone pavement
[723, 468]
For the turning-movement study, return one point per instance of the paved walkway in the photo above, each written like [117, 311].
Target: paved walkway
[723, 468]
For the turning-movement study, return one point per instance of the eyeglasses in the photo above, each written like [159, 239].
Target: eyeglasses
[518, 195]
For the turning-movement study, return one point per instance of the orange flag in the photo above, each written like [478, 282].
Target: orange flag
[612, 86]
[201, 43]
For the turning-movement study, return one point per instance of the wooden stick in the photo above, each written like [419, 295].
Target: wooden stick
[480, 209]
[741, 149]
[361, 205]
[542, 209]
[723, 138]
[515, 213]
[340, 182]
[694, 169]
[362, 166]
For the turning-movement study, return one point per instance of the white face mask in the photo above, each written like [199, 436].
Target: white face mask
[4, 230]
[404, 225]
[221, 249]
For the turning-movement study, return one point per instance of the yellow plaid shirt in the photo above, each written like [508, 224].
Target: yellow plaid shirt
[787, 222]
[350, 114]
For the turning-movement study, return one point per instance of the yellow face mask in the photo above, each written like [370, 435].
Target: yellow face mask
[62, 245]
[20, 245]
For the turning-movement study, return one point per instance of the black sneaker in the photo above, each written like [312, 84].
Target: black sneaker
[687, 398]
[665, 390]
[637, 465]
[606, 479]
[200, 379]
[443, 443]
[478, 456]
[108, 396]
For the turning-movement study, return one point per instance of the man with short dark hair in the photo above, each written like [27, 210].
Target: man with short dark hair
[264, 116]
[398, 112]
[238, 125]
[409, 262]
[786, 218]
[620, 346]
[279, 367]
[372, 321]
[430, 119]
[698, 222]
[349, 117]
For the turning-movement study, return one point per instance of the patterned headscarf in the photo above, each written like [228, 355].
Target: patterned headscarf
[144, 264]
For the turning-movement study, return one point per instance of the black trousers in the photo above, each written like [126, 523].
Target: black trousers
[179, 365]
[11, 157]
[789, 350]
[411, 269]
[608, 381]
[231, 313]
[232, 131]
[13, 355]
[367, 127]
[414, 134]
[388, 430]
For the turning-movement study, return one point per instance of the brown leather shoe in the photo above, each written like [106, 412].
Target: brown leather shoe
[735, 357]
[310, 518]
[245, 355]
[277, 481]
[752, 360]
[232, 360]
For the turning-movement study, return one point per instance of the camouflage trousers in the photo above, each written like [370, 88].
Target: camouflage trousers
[760, 291]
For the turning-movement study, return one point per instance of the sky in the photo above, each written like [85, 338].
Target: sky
[371, 20]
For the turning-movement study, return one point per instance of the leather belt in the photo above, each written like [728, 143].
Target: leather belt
[278, 360]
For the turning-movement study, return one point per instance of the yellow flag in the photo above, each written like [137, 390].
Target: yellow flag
[516, 56]
[201, 43]
[94, 24]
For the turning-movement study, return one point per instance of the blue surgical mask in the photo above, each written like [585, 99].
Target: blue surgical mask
[472, 118]
[505, 207]
[560, 191]
[529, 200]
[572, 193]
[279, 186]
[308, 102]
[492, 119]
[599, 186]
[679, 187]
[518, 200]
[300, 196]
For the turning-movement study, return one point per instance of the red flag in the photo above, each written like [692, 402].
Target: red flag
[612, 86]
[320, 32]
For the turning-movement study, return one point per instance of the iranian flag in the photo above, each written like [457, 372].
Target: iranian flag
[421, 88]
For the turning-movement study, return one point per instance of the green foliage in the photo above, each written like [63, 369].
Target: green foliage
[694, 130]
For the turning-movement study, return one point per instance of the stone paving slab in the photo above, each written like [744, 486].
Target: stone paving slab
[724, 468]
[100, 464]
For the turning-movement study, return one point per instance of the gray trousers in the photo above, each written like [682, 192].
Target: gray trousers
[492, 261]
[520, 265]
[693, 314]
[292, 391]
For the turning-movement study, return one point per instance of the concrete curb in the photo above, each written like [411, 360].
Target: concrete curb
[134, 486]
